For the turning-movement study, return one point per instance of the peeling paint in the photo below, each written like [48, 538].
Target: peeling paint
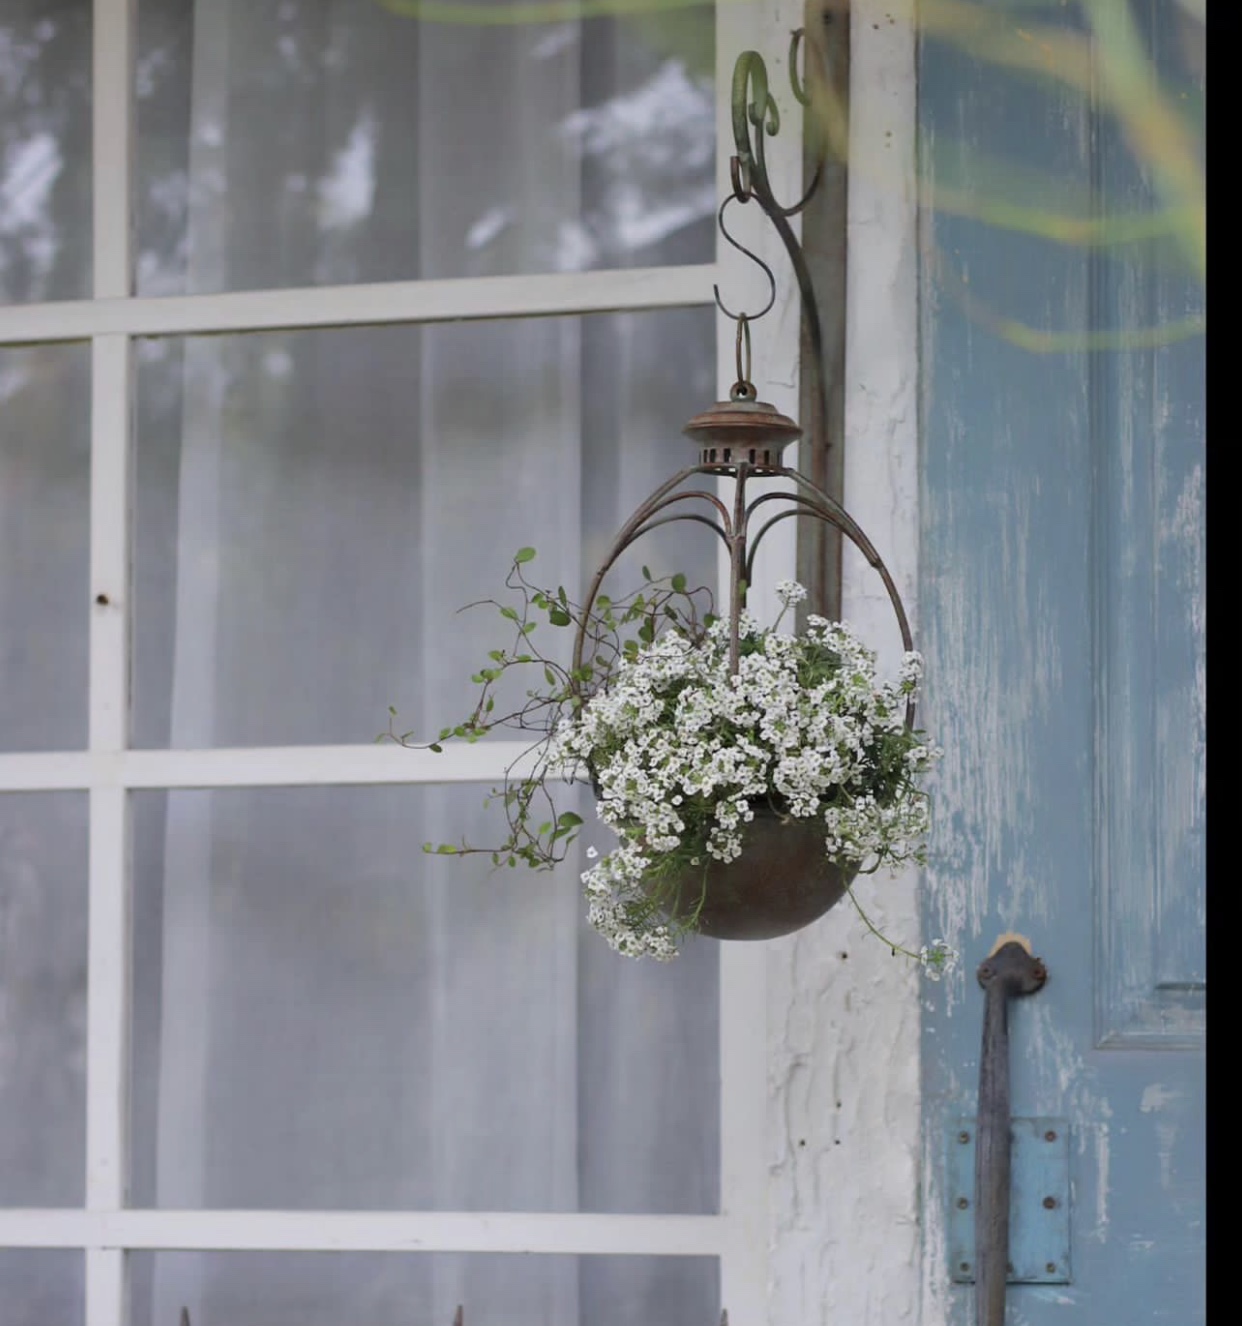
[1102, 1156]
[1157, 1096]
[1166, 1135]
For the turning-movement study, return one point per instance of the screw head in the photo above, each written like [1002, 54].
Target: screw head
[963, 1137]
[1050, 1267]
[1050, 1203]
[1050, 1135]
[962, 1203]
[963, 1267]
[1009, 1268]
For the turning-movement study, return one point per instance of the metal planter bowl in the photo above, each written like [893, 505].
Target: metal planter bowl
[781, 882]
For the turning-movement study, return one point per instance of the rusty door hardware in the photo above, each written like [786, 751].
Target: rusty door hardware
[1010, 971]
[1039, 1201]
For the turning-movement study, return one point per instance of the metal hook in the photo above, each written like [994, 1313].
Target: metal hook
[743, 389]
[799, 87]
[739, 177]
[755, 258]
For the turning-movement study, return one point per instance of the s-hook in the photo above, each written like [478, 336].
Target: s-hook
[1010, 971]
[754, 257]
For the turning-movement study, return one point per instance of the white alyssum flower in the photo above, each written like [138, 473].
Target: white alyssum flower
[790, 592]
[683, 750]
[938, 960]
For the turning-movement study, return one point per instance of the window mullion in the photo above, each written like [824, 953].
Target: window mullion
[111, 413]
[460, 299]
[113, 147]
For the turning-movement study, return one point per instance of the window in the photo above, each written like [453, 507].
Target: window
[314, 313]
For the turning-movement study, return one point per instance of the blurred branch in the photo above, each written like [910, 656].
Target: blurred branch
[1155, 131]
[531, 11]
[1060, 227]
[1090, 48]
[1048, 340]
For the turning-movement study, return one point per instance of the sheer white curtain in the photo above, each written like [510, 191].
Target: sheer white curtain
[325, 1017]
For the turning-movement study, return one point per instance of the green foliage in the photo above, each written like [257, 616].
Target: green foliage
[538, 836]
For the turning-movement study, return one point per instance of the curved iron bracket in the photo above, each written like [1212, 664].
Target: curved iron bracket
[756, 117]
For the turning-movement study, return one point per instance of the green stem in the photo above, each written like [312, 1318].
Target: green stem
[896, 948]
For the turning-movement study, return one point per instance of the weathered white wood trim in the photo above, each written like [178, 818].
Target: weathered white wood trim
[111, 385]
[108, 990]
[273, 766]
[107, 1297]
[557, 293]
[107, 1036]
[112, 152]
[369, 1231]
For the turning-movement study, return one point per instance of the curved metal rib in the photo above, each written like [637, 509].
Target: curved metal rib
[734, 531]
[684, 515]
[823, 507]
[662, 497]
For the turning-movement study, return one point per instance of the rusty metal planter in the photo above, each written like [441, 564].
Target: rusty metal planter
[782, 881]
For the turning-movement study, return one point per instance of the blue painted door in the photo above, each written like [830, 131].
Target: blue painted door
[1062, 598]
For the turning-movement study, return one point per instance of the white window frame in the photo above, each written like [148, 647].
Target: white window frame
[107, 770]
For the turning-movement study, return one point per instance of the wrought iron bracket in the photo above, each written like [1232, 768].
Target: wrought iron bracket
[756, 117]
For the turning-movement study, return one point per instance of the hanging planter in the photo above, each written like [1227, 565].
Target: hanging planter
[749, 773]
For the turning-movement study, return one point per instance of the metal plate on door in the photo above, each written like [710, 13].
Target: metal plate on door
[1039, 1227]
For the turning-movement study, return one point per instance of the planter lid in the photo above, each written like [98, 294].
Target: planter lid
[742, 431]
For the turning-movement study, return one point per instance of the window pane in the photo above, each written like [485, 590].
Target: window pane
[297, 142]
[327, 1017]
[45, 146]
[41, 1287]
[42, 999]
[314, 507]
[44, 546]
[395, 1289]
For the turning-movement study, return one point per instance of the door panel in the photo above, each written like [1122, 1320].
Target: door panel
[1063, 619]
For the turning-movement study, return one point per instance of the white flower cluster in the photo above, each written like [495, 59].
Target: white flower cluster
[938, 960]
[790, 592]
[682, 751]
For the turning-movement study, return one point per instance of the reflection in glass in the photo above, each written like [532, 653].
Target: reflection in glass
[395, 1289]
[327, 1017]
[44, 546]
[45, 145]
[42, 999]
[41, 1287]
[326, 142]
[314, 507]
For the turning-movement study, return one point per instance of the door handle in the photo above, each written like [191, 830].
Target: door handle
[1010, 971]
